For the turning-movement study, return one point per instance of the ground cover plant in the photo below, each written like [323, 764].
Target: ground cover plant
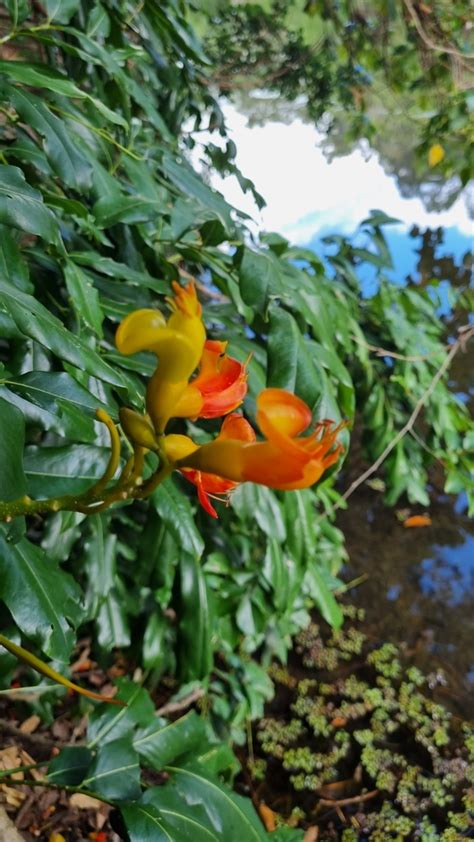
[362, 744]
[104, 223]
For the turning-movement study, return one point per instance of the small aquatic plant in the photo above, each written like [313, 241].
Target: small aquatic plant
[367, 750]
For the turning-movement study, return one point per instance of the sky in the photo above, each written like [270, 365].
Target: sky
[306, 195]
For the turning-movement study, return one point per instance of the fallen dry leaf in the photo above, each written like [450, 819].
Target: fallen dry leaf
[268, 817]
[84, 802]
[311, 835]
[8, 831]
[30, 725]
[417, 520]
[13, 797]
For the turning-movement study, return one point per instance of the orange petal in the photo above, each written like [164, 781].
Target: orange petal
[281, 416]
[185, 299]
[237, 427]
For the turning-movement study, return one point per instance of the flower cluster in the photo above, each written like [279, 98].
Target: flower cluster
[285, 459]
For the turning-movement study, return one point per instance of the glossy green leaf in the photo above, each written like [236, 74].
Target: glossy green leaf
[283, 340]
[323, 597]
[53, 471]
[144, 822]
[22, 207]
[107, 724]
[62, 151]
[12, 440]
[175, 510]
[70, 766]
[209, 803]
[194, 632]
[12, 265]
[113, 628]
[35, 321]
[161, 744]
[44, 600]
[54, 390]
[259, 275]
[182, 176]
[113, 269]
[115, 772]
[84, 296]
[18, 11]
[61, 10]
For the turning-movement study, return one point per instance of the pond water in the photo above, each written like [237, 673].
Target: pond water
[419, 585]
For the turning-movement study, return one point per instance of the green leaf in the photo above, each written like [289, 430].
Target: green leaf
[84, 296]
[107, 724]
[212, 805]
[61, 11]
[175, 510]
[194, 632]
[54, 390]
[35, 321]
[12, 440]
[144, 822]
[18, 11]
[62, 151]
[113, 269]
[283, 341]
[70, 766]
[53, 471]
[115, 772]
[170, 822]
[43, 600]
[12, 265]
[259, 277]
[22, 207]
[112, 623]
[109, 210]
[181, 175]
[323, 597]
[161, 744]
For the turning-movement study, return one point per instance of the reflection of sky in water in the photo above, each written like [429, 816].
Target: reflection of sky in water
[404, 250]
[309, 198]
[306, 195]
[450, 571]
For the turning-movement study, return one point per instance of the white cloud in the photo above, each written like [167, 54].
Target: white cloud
[305, 193]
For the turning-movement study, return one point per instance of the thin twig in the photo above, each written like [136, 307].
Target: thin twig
[181, 704]
[466, 333]
[382, 352]
[35, 743]
[344, 802]
[439, 48]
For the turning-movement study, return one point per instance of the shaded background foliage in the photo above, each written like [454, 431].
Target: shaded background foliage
[100, 210]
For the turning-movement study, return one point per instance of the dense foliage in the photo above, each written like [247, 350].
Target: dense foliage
[100, 211]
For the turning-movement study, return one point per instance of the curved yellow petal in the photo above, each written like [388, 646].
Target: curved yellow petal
[178, 447]
[138, 331]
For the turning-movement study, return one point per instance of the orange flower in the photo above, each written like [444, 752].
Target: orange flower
[219, 387]
[178, 344]
[285, 460]
[234, 427]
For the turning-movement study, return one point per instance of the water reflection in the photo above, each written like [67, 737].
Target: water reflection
[420, 585]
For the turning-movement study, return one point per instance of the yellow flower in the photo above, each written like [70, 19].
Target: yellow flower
[178, 344]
